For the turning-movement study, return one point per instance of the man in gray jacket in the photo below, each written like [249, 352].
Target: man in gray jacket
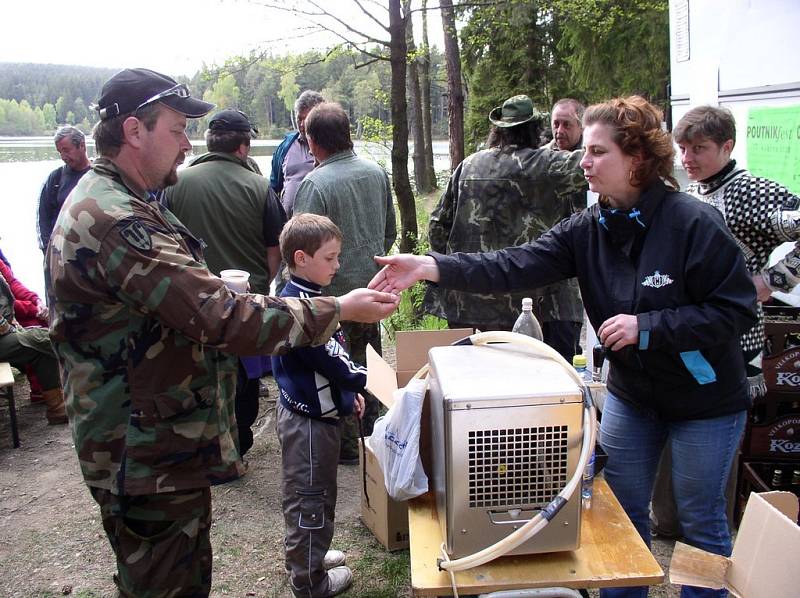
[355, 194]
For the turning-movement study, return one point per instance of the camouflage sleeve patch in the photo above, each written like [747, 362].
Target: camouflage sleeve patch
[136, 235]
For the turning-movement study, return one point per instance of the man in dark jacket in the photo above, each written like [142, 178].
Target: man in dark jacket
[71, 145]
[507, 194]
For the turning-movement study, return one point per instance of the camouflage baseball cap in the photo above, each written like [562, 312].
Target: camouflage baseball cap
[514, 111]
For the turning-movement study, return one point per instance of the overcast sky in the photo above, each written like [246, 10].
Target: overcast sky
[172, 36]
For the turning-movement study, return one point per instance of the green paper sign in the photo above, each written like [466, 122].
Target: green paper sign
[773, 145]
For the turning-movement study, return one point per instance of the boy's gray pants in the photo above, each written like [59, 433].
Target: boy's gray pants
[310, 457]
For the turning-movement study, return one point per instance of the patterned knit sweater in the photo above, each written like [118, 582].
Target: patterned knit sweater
[761, 214]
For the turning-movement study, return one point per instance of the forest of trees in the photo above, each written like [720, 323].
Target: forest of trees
[35, 98]
[588, 49]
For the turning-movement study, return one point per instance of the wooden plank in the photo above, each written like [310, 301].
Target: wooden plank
[611, 554]
[6, 377]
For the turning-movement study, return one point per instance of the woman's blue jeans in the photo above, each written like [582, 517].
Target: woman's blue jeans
[702, 455]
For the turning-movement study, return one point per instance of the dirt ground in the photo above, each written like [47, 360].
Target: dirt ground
[52, 542]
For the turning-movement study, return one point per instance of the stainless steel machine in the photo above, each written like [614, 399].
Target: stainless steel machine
[506, 429]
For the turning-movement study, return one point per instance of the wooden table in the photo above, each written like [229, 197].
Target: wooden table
[611, 554]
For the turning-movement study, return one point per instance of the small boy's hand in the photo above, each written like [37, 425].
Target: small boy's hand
[358, 406]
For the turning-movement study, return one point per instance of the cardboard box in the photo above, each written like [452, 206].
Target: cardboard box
[413, 347]
[384, 516]
[764, 558]
[412, 353]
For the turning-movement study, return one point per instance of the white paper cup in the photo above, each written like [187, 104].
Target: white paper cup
[235, 280]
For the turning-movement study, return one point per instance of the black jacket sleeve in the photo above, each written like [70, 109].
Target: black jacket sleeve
[547, 260]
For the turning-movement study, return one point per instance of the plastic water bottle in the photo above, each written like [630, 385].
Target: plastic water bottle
[587, 488]
[579, 363]
[527, 323]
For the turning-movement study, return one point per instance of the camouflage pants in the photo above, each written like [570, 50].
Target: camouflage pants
[358, 336]
[14, 350]
[161, 542]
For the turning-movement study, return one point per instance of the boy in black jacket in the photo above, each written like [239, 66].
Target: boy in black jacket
[317, 385]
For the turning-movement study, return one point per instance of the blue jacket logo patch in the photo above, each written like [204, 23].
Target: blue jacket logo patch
[657, 280]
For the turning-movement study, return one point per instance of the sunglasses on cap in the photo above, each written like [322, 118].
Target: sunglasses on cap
[179, 90]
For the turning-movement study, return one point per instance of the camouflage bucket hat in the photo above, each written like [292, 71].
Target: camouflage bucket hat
[514, 111]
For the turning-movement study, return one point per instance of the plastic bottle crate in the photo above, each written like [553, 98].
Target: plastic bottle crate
[773, 428]
[756, 476]
[781, 364]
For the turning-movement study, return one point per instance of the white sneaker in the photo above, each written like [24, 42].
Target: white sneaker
[339, 580]
[333, 558]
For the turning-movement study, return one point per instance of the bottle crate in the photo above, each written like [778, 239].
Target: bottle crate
[760, 476]
[773, 428]
[781, 364]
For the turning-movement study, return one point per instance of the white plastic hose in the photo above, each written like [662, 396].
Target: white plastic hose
[539, 521]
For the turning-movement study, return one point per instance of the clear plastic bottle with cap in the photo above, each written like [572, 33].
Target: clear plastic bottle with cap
[587, 488]
[527, 323]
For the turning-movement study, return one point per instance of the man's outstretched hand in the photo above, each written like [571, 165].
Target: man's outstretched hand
[402, 270]
[365, 305]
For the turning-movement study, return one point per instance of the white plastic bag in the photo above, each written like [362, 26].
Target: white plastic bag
[395, 442]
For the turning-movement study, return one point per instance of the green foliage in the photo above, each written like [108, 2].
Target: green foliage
[409, 314]
[263, 86]
[67, 90]
[616, 47]
[509, 48]
[289, 90]
[224, 93]
[591, 50]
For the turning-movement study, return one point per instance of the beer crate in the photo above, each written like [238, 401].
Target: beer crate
[781, 364]
[758, 476]
[773, 428]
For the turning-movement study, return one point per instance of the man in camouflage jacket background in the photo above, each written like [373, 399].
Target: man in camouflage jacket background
[503, 196]
[147, 339]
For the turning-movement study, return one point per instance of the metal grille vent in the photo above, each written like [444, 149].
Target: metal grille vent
[517, 467]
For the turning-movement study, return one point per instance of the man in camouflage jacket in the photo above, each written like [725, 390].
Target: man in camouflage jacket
[506, 195]
[146, 337]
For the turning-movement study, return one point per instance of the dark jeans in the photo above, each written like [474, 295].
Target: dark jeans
[702, 454]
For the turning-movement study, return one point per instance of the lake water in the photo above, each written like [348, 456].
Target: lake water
[25, 163]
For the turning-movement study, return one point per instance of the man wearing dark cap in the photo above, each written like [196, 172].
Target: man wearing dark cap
[145, 336]
[505, 195]
[224, 201]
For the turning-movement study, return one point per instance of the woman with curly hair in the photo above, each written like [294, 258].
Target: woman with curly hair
[666, 287]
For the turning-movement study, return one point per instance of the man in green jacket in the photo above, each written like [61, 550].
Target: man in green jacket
[355, 194]
[224, 201]
[145, 336]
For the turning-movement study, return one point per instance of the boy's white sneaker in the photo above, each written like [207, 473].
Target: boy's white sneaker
[333, 558]
[339, 580]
